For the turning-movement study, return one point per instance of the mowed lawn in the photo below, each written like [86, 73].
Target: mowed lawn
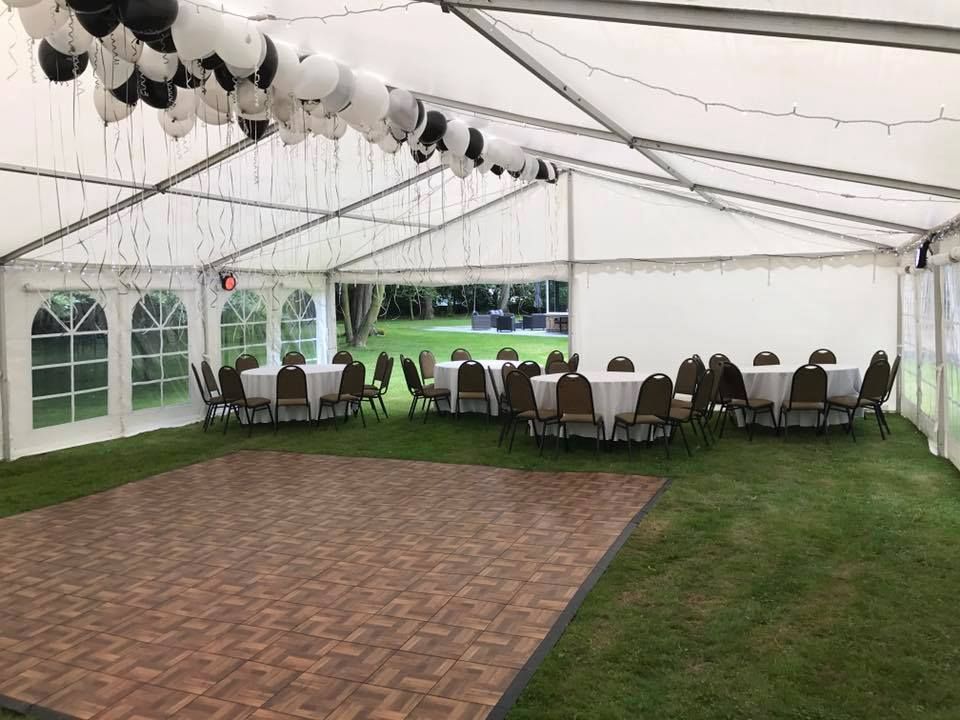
[775, 579]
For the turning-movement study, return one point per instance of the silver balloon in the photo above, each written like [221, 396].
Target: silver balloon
[403, 110]
[341, 95]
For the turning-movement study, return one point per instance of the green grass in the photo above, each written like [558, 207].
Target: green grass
[776, 579]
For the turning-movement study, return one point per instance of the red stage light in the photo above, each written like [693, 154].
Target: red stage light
[228, 281]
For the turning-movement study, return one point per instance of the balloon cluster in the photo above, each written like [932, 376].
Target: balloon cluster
[191, 62]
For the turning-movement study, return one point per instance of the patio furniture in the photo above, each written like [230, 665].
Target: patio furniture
[350, 394]
[236, 398]
[381, 383]
[418, 391]
[652, 409]
[291, 391]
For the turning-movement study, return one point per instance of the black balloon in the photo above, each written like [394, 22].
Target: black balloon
[420, 111]
[514, 175]
[542, 172]
[556, 175]
[100, 23]
[253, 129]
[267, 71]
[89, 6]
[225, 77]
[147, 16]
[162, 43]
[211, 62]
[59, 67]
[441, 145]
[421, 157]
[160, 95]
[434, 129]
[496, 170]
[475, 146]
[185, 79]
[127, 93]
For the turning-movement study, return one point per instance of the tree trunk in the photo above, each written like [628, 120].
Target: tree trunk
[347, 315]
[505, 297]
[426, 307]
[374, 295]
[412, 315]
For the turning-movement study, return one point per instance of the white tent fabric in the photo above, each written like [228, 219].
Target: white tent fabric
[775, 170]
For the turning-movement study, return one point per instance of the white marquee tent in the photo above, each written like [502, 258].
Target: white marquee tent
[735, 175]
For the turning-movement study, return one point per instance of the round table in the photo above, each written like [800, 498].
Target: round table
[445, 376]
[321, 380]
[773, 382]
[613, 393]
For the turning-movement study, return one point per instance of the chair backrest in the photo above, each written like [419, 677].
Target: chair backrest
[701, 368]
[717, 360]
[554, 356]
[529, 368]
[765, 357]
[508, 353]
[381, 367]
[655, 396]
[203, 391]
[461, 354]
[245, 362]
[558, 366]
[520, 393]
[574, 362]
[822, 357]
[894, 369]
[731, 383]
[342, 357]
[575, 396]
[209, 379]
[471, 377]
[387, 374]
[352, 378]
[809, 385]
[428, 364]
[704, 392]
[620, 363]
[414, 385]
[231, 385]
[879, 355]
[291, 383]
[875, 380]
[505, 370]
[294, 358]
[686, 377]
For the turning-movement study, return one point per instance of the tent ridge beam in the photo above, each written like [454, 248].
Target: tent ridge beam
[695, 151]
[801, 26]
[343, 212]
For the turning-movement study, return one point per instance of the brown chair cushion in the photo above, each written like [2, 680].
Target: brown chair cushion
[681, 403]
[806, 405]
[370, 392]
[472, 395]
[549, 414]
[751, 403]
[850, 401]
[578, 418]
[337, 397]
[431, 391]
[253, 402]
[680, 413]
[632, 419]
[291, 401]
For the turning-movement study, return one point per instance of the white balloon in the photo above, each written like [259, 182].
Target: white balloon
[108, 107]
[370, 102]
[512, 157]
[288, 70]
[210, 116]
[112, 71]
[20, 3]
[239, 43]
[215, 96]
[177, 128]
[283, 106]
[184, 106]
[339, 128]
[530, 168]
[376, 133]
[72, 38]
[318, 78]
[389, 144]
[483, 165]
[250, 98]
[403, 110]
[196, 31]
[457, 137]
[494, 151]
[160, 67]
[461, 166]
[42, 19]
[122, 43]
[320, 124]
[254, 115]
[299, 123]
[291, 136]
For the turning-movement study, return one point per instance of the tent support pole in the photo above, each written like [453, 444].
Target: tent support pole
[571, 259]
[941, 426]
[4, 378]
[899, 333]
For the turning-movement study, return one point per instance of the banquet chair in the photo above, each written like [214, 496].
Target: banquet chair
[210, 380]
[350, 394]
[291, 391]
[575, 405]
[894, 369]
[822, 357]
[765, 358]
[523, 409]
[530, 368]
[427, 393]
[428, 366]
[872, 391]
[558, 366]
[236, 398]
[460, 354]
[695, 413]
[717, 360]
[701, 368]
[621, 364]
[508, 353]
[686, 383]
[212, 402]
[294, 358]
[471, 385]
[879, 355]
[652, 409]
[503, 406]
[808, 393]
[245, 362]
[733, 396]
[379, 387]
[342, 357]
[574, 362]
[379, 368]
[553, 356]
[716, 363]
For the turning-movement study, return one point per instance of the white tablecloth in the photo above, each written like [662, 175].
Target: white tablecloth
[321, 380]
[613, 393]
[445, 376]
[772, 382]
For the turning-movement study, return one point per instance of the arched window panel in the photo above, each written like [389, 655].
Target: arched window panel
[243, 327]
[298, 325]
[69, 360]
[159, 351]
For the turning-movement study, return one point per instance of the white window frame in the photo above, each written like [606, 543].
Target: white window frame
[160, 327]
[298, 321]
[244, 322]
